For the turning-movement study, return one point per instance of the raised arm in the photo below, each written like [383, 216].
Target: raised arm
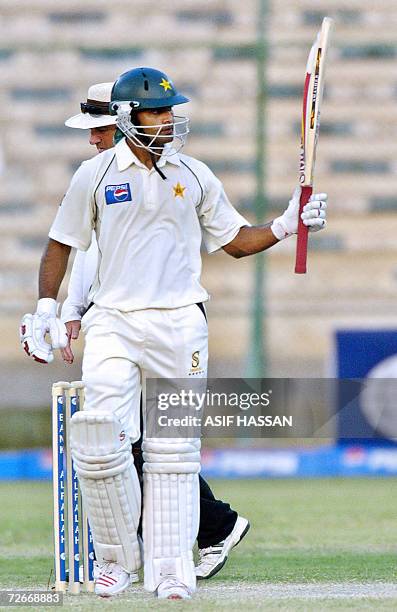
[251, 240]
[254, 239]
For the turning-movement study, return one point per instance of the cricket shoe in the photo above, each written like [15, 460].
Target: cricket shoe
[134, 577]
[213, 558]
[172, 588]
[96, 570]
[112, 579]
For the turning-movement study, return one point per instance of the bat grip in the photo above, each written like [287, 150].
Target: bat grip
[303, 230]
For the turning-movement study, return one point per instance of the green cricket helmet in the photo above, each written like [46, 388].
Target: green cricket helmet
[147, 89]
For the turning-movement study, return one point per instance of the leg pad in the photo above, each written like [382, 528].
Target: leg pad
[109, 484]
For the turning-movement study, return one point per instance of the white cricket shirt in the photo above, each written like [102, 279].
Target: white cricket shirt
[148, 230]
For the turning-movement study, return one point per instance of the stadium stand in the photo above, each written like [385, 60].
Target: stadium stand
[209, 49]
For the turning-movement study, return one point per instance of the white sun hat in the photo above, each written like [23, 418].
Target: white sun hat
[94, 112]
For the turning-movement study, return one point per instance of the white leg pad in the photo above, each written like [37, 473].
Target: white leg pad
[109, 484]
[171, 509]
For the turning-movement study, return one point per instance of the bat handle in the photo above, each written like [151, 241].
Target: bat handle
[303, 230]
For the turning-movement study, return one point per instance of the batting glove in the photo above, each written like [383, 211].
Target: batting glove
[313, 215]
[34, 328]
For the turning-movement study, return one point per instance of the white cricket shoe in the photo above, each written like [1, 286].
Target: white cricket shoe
[112, 579]
[134, 577]
[172, 588]
[213, 558]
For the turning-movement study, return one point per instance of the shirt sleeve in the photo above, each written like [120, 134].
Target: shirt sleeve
[81, 279]
[71, 312]
[220, 222]
[74, 221]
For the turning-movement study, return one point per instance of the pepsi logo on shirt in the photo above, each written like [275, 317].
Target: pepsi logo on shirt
[118, 193]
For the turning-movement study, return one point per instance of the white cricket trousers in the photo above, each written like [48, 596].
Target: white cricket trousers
[124, 348]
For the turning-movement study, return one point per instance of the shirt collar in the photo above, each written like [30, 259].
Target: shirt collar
[126, 158]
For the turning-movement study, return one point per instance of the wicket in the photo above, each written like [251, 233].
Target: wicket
[66, 399]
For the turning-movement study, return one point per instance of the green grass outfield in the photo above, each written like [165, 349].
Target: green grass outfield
[313, 545]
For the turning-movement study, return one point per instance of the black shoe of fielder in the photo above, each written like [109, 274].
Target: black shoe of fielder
[213, 558]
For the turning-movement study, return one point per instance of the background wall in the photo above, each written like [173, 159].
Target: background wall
[51, 52]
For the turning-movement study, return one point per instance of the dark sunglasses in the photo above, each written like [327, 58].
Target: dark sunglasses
[95, 108]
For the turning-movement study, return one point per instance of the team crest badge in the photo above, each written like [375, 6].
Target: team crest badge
[179, 190]
[115, 194]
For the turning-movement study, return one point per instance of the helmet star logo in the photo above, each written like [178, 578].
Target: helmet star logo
[166, 84]
[179, 190]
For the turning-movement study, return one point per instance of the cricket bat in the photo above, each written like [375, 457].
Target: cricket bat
[312, 97]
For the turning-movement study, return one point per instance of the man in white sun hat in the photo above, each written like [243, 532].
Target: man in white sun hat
[94, 116]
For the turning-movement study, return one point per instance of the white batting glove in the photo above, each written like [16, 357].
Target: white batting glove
[34, 328]
[313, 215]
